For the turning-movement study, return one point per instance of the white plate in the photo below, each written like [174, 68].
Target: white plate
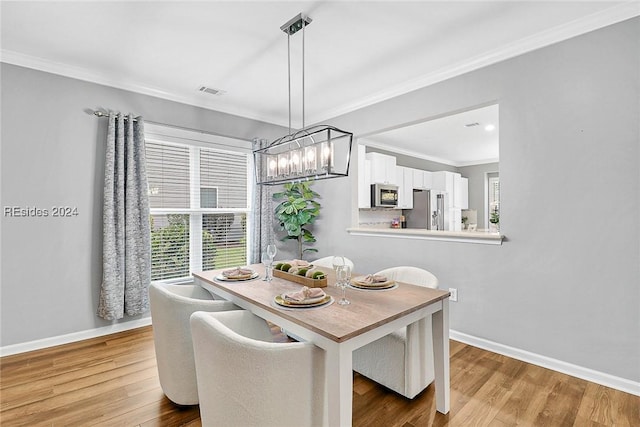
[229, 279]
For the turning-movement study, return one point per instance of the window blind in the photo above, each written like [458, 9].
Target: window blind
[199, 208]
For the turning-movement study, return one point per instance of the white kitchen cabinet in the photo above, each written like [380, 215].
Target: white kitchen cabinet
[443, 182]
[461, 193]
[421, 179]
[364, 179]
[455, 186]
[404, 181]
[383, 168]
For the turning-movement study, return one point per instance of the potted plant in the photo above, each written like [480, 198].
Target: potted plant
[494, 219]
[296, 212]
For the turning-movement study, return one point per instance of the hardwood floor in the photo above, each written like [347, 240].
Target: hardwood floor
[112, 381]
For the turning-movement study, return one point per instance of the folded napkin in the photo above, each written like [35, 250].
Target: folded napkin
[370, 279]
[299, 263]
[304, 294]
[237, 272]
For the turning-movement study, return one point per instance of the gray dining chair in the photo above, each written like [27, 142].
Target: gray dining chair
[245, 379]
[328, 262]
[171, 308]
[403, 360]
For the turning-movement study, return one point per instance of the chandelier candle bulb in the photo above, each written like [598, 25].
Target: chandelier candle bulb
[272, 168]
[296, 163]
[283, 165]
[310, 160]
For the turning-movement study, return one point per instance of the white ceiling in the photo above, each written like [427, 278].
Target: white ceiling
[461, 139]
[357, 52]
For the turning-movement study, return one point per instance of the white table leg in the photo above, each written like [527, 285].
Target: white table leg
[339, 382]
[440, 329]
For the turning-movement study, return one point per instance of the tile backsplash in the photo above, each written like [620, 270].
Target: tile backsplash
[377, 218]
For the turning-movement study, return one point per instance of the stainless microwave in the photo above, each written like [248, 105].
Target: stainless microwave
[384, 196]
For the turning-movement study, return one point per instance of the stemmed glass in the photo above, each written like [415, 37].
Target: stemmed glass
[267, 260]
[344, 276]
[338, 263]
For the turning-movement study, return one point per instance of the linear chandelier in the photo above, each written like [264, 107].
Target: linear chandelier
[316, 152]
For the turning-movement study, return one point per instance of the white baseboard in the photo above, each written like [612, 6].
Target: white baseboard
[597, 377]
[73, 337]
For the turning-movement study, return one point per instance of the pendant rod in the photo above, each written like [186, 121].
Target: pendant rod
[289, 75]
[304, 25]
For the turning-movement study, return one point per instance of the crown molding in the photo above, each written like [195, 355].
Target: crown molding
[91, 76]
[575, 28]
[410, 153]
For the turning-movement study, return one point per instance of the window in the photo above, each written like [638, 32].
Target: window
[493, 199]
[199, 202]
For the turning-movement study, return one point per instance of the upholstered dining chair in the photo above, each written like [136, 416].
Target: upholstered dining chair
[171, 308]
[245, 379]
[328, 262]
[403, 360]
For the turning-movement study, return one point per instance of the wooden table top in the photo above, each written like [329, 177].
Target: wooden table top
[368, 309]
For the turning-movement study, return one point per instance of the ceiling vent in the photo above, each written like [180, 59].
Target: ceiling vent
[470, 125]
[211, 91]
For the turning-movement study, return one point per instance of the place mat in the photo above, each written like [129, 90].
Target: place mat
[386, 287]
[279, 302]
[222, 278]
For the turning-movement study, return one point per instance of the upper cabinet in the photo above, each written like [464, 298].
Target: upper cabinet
[364, 179]
[383, 168]
[421, 179]
[404, 181]
[454, 186]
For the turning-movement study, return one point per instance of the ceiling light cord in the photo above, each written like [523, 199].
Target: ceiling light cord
[289, 75]
[304, 25]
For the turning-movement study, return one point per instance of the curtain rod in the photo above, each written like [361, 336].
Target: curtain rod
[103, 114]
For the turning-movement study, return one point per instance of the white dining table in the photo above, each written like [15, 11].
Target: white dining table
[341, 329]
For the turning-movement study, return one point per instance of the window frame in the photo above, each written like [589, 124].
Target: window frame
[196, 141]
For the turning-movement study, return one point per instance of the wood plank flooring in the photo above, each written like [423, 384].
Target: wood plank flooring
[112, 381]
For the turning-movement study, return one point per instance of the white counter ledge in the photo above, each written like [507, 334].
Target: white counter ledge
[479, 237]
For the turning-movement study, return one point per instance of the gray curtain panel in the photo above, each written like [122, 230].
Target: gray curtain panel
[127, 232]
[262, 212]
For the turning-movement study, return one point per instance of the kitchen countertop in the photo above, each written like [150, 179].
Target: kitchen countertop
[481, 236]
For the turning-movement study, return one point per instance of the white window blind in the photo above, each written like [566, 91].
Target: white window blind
[199, 206]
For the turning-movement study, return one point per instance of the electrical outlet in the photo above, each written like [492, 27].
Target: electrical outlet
[454, 294]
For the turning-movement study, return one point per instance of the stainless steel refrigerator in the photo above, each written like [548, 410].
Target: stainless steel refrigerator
[420, 215]
[424, 208]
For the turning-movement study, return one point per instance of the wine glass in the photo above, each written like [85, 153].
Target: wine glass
[338, 263]
[344, 276]
[271, 251]
[267, 261]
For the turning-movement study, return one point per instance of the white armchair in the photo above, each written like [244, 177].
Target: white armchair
[402, 360]
[171, 307]
[246, 380]
[328, 262]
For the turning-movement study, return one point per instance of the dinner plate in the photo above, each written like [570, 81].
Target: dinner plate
[382, 285]
[279, 299]
[239, 279]
[306, 301]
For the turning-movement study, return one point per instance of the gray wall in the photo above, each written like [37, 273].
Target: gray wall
[52, 155]
[565, 284]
